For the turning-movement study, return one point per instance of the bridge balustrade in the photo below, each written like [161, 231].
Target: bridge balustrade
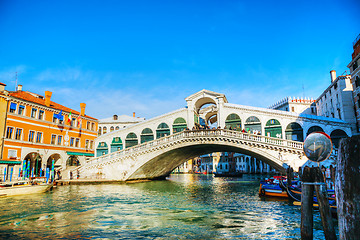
[199, 133]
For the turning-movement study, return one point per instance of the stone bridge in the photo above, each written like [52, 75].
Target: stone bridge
[153, 148]
[159, 157]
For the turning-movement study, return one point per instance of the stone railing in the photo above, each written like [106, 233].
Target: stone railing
[195, 134]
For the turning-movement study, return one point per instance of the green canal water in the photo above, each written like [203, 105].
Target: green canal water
[182, 207]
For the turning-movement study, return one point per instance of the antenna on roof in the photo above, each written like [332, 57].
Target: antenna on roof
[15, 80]
[303, 91]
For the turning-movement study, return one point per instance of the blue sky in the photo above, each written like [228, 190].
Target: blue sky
[137, 56]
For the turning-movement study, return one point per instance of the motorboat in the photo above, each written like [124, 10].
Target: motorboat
[23, 187]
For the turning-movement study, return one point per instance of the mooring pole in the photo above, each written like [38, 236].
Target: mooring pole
[324, 207]
[347, 188]
[307, 194]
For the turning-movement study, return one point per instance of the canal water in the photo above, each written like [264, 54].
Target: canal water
[182, 207]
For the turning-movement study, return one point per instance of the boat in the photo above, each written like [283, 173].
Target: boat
[295, 194]
[271, 190]
[23, 187]
[228, 174]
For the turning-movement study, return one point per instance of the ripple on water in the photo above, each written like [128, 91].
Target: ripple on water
[184, 207]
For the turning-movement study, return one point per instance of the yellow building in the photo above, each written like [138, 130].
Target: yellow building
[36, 130]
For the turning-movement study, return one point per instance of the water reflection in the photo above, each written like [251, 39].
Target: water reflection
[183, 207]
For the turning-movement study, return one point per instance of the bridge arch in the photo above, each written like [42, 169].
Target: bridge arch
[179, 125]
[162, 130]
[102, 149]
[294, 132]
[146, 135]
[314, 128]
[252, 124]
[336, 136]
[273, 128]
[131, 140]
[164, 163]
[116, 144]
[233, 122]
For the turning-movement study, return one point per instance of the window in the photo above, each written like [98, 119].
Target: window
[357, 82]
[59, 140]
[12, 154]
[9, 132]
[87, 144]
[39, 137]
[33, 112]
[293, 109]
[91, 144]
[13, 107]
[87, 125]
[93, 126]
[72, 142]
[54, 117]
[31, 136]
[104, 130]
[72, 123]
[21, 110]
[77, 142]
[41, 115]
[335, 86]
[111, 128]
[117, 128]
[53, 139]
[18, 134]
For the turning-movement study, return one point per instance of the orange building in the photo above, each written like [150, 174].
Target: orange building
[35, 129]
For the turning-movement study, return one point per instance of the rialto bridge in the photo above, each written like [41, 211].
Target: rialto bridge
[155, 147]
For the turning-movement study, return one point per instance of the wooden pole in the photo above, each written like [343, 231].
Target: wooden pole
[324, 207]
[347, 188]
[307, 193]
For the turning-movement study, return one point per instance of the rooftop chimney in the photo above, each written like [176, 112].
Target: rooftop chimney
[2, 86]
[115, 117]
[19, 87]
[133, 114]
[82, 106]
[47, 98]
[333, 75]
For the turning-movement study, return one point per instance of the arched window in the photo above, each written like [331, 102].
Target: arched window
[111, 128]
[116, 144]
[294, 132]
[146, 135]
[233, 121]
[104, 130]
[314, 129]
[72, 161]
[179, 125]
[162, 130]
[273, 128]
[336, 136]
[131, 140]
[252, 124]
[117, 128]
[99, 132]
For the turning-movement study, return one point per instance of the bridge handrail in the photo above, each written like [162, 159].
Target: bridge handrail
[193, 133]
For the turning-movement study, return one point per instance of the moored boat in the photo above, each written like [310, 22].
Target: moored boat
[228, 174]
[272, 190]
[22, 188]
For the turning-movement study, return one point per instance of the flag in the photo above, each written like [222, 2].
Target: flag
[69, 118]
[79, 121]
[59, 116]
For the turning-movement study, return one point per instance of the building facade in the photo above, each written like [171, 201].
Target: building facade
[297, 105]
[117, 122]
[337, 102]
[355, 80]
[39, 133]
